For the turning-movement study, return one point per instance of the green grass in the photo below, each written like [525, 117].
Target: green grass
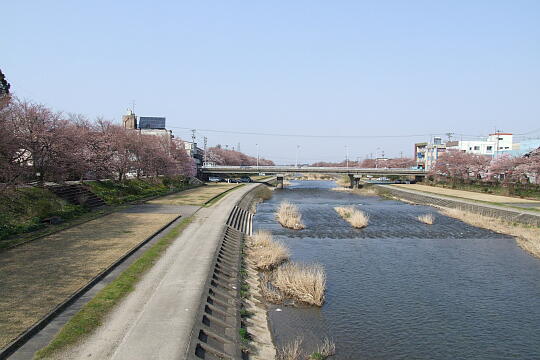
[23, 210]
[244, 336]
[221, 196]
[114, 193]
[92, 314]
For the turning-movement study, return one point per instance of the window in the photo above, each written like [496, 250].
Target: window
[489, 148]
[477, 148]
[500, 139]
[470, 148]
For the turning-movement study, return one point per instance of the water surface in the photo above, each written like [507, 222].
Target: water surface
[400, 289]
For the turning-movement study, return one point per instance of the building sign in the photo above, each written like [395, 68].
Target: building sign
[148, 122]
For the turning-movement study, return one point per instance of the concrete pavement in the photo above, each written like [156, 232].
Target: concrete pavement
[155, 321]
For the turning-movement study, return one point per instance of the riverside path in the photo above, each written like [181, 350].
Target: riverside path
[156, 319]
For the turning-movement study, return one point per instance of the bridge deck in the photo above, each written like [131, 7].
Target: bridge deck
[310, 169]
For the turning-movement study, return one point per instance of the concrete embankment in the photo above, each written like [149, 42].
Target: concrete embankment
[163, 317]
[506, 213]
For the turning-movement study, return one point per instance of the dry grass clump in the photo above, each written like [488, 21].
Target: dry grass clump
[355, 217]
[324, 350]
[289, 216]
[527, 237]
[265, 252]
[270, 293]
[291, 351]
[305, 283]
[427, 219]
[366, 191]
[294, 350]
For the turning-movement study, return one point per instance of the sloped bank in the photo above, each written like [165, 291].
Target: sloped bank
[221, 327]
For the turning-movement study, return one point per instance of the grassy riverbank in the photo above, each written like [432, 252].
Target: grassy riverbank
[24, 211]
[92, 314]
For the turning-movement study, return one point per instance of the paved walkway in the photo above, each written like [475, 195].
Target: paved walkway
[514, 210]
[471, 195]
[156, 319]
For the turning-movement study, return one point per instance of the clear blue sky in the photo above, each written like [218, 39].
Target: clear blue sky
[288, 67]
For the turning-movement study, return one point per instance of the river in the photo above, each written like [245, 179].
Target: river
[400, 289]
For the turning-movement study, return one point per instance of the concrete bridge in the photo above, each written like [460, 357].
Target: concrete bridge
[354, 173]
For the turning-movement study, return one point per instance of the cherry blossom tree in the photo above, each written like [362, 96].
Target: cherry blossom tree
[458, 166]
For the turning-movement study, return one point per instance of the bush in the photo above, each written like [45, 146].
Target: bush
[23, 210]
[114, 193]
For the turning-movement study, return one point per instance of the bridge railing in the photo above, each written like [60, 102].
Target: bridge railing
[282, 168]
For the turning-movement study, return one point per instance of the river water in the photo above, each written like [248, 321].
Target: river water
[400, 289]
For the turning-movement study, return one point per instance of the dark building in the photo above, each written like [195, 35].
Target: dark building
[147, 122]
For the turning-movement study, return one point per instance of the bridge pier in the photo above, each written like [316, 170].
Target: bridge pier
[355, 181]
[279, 179]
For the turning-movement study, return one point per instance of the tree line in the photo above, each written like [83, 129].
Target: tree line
[39, 144]
[395, 163]
[222, 156]
[455, 165]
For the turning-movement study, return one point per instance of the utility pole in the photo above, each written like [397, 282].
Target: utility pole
[257, 156]
[347, 156]
[238, 147]
[205, 139]
[401, 154]
[193, 137]
[449, 135]
[297, 151]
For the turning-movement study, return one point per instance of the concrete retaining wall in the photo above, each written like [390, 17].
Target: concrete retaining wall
[507, 214]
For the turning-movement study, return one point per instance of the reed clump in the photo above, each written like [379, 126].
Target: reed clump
[265, 252]
[305, 283]
[324, 350]
[355, 217]
[291, 351]
[289, 216]
[427, 219]
[527, 237]
[294, 350]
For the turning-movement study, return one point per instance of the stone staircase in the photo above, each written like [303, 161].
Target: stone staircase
[77, 194]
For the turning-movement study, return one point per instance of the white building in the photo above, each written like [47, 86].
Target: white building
[495, 144]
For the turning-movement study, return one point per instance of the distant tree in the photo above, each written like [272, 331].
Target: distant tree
[401, 163]
[232, 157]
[458, 166]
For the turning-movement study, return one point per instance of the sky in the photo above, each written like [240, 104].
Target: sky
[313, 79]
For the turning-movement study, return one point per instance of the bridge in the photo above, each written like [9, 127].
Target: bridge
[354, 173]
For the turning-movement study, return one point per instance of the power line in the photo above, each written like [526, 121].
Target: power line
[312, 136]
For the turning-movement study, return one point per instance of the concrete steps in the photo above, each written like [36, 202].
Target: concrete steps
[77, 194]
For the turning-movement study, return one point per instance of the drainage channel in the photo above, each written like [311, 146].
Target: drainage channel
[216, 334]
